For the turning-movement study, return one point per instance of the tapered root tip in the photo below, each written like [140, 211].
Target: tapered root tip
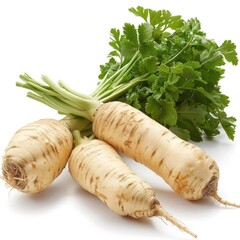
[163, 213]
[224, 202]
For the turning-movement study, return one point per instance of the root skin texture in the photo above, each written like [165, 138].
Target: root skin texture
[36, 155]
[97, 167]
[185, 167]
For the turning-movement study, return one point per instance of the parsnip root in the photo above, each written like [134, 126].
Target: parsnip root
[98, 168]
[36, 155]
[190, 171]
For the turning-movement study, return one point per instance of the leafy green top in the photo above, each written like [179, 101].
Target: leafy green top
[178, 71]
[166, 67]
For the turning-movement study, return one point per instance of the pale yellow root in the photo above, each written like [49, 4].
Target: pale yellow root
[98, 168]
[185, 167]
[36, 155]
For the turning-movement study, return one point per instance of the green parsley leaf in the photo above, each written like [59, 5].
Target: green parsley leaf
[228, 49]
[180, 132]
[148, 65]
[145, 31]
[228, 124]
[140, 11]
[130, 33]
[170, 70]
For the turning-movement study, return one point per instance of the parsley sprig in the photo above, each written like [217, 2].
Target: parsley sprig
[176, 70]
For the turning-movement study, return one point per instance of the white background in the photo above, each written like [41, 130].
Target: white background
[68, 40]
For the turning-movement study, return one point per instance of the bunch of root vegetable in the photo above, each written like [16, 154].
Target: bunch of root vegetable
[169, 72]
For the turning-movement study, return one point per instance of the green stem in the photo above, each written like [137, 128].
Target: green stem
[215, 56]
[69, 102]
[26, 78]
[29, 84]
[104, 84]
[58, 105]
[180, 52]
[61, 97]
[119, 90]
[130, 65]
[117, 77]
[67, 94]
[48, 95]
[77, 137]
[77, 94]
[76, 123]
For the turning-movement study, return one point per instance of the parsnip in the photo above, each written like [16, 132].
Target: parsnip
[97, 168]
[185, 167]
[36, 155]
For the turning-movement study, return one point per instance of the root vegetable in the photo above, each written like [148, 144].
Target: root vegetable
[36, 155]
[97, 168]
[190, 171]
